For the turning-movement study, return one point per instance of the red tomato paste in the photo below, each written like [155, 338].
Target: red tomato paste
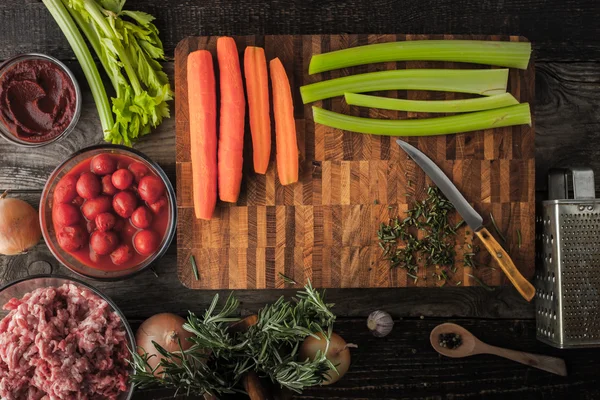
[37, 100]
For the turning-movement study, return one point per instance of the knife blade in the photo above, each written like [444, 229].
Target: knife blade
[472, 218]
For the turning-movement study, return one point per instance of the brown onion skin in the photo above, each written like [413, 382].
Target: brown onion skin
[163, 329]
[338, 354]
[19, 226]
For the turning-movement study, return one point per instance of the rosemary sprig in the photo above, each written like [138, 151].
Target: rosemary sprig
[218, 358]
[496, 228]
[287, 279]
[431, 216]
[468, 257]
[481, 283]
[194, 268]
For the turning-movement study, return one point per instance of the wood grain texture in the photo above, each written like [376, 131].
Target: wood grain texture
[351, 205]
[560, 30]
[404, 365]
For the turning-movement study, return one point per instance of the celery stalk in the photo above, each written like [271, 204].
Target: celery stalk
[432, 106]
[476, 81]
[502, 54]
[69, 29]
[506, 116]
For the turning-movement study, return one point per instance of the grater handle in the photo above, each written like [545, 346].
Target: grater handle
[583, 183]
[523, 286]
[546, 363]
[557, 184]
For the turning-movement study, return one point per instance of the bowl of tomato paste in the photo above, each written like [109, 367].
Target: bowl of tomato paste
[40, 100]
[108, 212]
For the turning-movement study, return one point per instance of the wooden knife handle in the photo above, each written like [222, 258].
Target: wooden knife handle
[525, 288]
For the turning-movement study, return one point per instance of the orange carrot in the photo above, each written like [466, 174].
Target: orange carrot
[231, 133]
[202, 98]
[257, 87]
[285, 126]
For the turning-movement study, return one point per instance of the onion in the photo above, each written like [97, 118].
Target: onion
[19, 226]
[166, 330]
[338, 353]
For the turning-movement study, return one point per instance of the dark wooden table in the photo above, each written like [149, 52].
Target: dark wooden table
[566, 39]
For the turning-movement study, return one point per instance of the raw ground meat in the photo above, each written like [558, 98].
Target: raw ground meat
[62, 343]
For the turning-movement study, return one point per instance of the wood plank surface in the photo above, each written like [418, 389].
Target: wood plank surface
[566, 39]
[560, 30]
[362, 180]
[404, 365]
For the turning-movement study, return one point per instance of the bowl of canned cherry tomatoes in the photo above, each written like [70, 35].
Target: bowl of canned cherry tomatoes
[108, 212]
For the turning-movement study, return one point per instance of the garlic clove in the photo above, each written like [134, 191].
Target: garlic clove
[380, 323]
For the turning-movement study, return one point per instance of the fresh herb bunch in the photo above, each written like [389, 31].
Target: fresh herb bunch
[402, 246]
[219, 358]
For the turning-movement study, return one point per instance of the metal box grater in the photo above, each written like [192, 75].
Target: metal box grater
[567, 280]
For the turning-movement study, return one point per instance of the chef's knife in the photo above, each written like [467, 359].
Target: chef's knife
[472, 218]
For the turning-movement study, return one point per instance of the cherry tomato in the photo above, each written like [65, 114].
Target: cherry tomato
[65, 214]
[65, 190]
[122, 254]
[107, 186]
[71, 238]
[151, 188]
[159, 205]
[105, 221]
[103, 164]
[138, 170]
[146, 242]
[141, 217]
[88, 185]
[91, 208]
[104, 242]
[122, 179]
[124, 204]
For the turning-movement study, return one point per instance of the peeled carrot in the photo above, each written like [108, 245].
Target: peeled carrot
[202, 98]
[257, 88]
[285, 126]
[231, 133]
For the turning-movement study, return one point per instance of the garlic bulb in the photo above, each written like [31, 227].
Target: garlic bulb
[380, 323]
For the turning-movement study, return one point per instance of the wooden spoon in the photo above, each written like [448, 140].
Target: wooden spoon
[471, 346]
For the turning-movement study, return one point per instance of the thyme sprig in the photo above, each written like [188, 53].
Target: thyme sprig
[219, 358]
[425, 237]
[432, 217]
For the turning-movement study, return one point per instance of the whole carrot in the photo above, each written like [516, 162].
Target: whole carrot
[257, 88]
[231, 133]
[202, 99]
[285, 126]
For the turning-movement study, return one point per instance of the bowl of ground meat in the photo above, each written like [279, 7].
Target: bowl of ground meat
[60, 338]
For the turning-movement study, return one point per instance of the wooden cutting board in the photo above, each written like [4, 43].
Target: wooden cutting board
[324, 227]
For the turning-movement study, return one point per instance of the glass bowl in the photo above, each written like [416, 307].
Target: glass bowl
[17, 289]
[47, 226]
[5, 66]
